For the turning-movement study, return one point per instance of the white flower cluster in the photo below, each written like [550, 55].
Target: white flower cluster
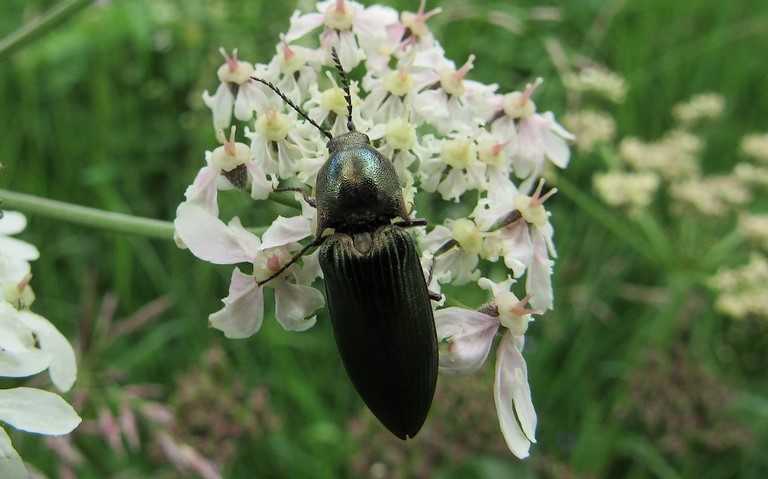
[445, 135]
[29, 344]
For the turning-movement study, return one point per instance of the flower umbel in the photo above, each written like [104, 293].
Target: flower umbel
[443, 132]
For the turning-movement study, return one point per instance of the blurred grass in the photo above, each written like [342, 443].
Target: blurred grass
[105, 111]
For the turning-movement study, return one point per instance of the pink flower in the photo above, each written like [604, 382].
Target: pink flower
[470, 336]
[350, 27]
[539, 137]
[211, 240]
[235, 94]
[526, 243]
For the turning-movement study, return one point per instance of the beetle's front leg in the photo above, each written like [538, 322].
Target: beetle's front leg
[304, 193]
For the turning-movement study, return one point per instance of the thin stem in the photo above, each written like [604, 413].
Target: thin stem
[40, 25]
[608, 219]
[82, 215]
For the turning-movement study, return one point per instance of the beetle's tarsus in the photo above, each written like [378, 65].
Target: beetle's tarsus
[304, 193]
[293, 259]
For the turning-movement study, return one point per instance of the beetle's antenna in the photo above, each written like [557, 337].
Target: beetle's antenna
[293, 105]
[345, 85]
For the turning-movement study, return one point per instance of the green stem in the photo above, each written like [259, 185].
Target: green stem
[657, 238]
[82, 215]
[40, 25]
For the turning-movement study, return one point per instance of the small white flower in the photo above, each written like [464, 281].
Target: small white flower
[29, 344]
[235, 94]
[208, 238]
[539, 137]
[526, 244]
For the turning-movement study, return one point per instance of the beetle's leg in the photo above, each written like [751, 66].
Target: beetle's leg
[408, 223]
[294, 258]
[432, 295]
[310, 201]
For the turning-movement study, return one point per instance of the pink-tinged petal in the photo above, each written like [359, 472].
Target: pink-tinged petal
[285, 231]
[293, 303]
[310, 269]
[557, 128]
[203, 190]
[301, 24]
[517, 248]
[63, 369]
[555, 146]
[37, 411]
[221, 104]
[469, 334]
[530, 147]
[539, 280]
[243, 310]
[436, 238]
[208, 237]
[247, 242]
[11, 464]
[512, 395]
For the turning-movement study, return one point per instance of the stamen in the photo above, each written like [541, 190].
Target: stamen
[462, 72]
[232, 62]
[287, 52]
[519, 309]
[537, 200]
[529, 89]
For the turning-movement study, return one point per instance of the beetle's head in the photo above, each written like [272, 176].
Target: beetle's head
[347, 140]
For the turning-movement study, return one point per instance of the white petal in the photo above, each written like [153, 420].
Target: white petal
[208, 237]
[203, 190]
[14, 336]
[18, 249]
[13, 269]
[293, 303]
[34, 410]
[470, 334]
[539, 280]
[310, 269]
[512, 395]
[556, 149]
[243, 310]
[557, 128]
[11, 464]
[221, 104]
[12, 223]
[436, 238]
[285, 231]
[517, 247]
[301, 24]
[63, 369]
[261, 186]
[24, 363]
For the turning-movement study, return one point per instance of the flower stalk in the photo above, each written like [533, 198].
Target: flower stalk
[83, 215]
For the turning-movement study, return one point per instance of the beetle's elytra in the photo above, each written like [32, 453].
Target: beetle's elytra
[378, 299]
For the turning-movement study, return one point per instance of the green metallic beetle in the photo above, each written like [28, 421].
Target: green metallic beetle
[378, 299]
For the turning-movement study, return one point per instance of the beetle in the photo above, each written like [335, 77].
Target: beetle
[378, 299]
